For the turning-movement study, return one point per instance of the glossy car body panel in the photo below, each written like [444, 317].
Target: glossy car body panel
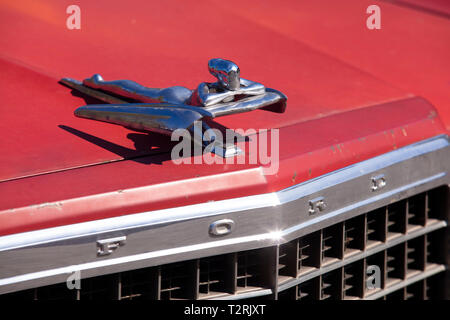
[344, 106]
[180, 233]
[132, 186]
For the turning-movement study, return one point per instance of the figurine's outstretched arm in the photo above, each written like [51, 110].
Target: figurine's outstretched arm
[247, 88]
[134, 90]
[208, 98]
[251, 87]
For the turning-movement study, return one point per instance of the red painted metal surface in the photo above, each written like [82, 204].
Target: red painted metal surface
[330, 66]
[307, 150]
[166, 49]
[410, 51]
[436, 7]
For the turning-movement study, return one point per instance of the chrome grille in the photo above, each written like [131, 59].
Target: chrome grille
[405, 239]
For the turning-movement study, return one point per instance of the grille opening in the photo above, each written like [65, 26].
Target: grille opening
[97, 288]
[417, 211]
[332, 244]
[435, 288]
[300, 256]
[415, 291]
[288, 294]
[436, 243]
[396, 218]
[309, 290]
[353, 282]
[395, 261]
[438, 203]
[138, 284]
[251, 269]
[309, 252]
[213, 276]
[331, 285]
[287, 261]
[354, 238]
[376, 226]
[416, 256]
[178, 280]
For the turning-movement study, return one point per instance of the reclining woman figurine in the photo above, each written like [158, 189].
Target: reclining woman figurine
[165, 110]
[228, 86]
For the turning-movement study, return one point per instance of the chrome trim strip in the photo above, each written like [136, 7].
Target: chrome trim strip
[48, 256]
[362, 203]
[143, 256]
[177, 214]
[138, 220]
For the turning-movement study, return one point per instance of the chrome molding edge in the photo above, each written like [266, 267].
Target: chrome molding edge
[49, 256]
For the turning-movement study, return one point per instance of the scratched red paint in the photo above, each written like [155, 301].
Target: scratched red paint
[339, 88]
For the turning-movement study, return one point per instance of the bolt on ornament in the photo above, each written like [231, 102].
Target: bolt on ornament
[168, 109]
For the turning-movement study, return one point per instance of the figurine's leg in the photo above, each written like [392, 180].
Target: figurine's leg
[134, 90]
[125, 88]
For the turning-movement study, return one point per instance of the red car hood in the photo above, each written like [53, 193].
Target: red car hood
[169, 43]
[157, 44]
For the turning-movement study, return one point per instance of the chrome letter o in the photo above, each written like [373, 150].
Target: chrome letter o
[221, 227]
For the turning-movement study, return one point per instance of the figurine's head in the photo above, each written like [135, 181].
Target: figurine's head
[227, 72]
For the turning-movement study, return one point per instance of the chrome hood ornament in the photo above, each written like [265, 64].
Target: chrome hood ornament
[168, 109]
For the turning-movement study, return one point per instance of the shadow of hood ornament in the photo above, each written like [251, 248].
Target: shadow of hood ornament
[168, 109]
